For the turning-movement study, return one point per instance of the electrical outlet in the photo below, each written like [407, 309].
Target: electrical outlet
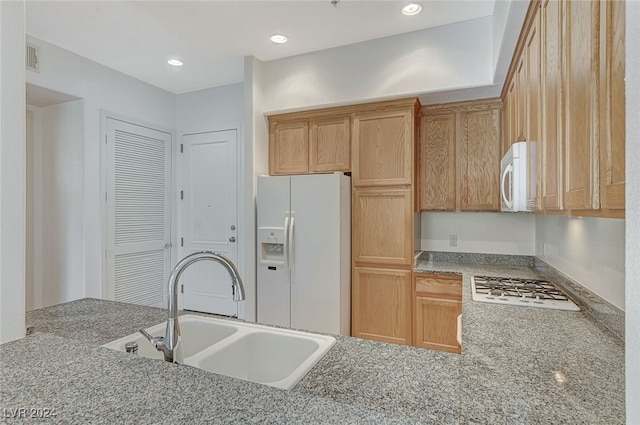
[453, 240]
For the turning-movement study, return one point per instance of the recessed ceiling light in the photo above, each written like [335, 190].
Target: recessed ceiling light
[175, 62]
[412, 9]
[279, 38]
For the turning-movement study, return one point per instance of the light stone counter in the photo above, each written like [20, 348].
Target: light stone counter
[518, 366]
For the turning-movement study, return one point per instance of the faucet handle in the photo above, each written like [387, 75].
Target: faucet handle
[156, 341]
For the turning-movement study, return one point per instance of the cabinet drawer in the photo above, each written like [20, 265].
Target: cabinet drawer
[440, 286]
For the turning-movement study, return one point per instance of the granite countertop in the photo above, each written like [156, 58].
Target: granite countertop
[518, 366]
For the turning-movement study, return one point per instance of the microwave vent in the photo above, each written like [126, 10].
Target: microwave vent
[33, 63]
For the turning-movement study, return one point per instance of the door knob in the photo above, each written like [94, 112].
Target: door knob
[232, 239]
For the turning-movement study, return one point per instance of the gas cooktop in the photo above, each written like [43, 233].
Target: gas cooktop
[521, 292]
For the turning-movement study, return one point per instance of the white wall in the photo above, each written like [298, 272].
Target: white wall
[436, 59]
[508, 17]
[12, 171]
[588, 250]
[487, 233]
[218, 108]
[256, 156]
[101, 88]
[632, 286]
[57, 202]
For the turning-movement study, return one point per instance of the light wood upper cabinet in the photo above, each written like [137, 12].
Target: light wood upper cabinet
[330, 144]
[508, 119]
[305, 144]
[479, 160]
[382, 227]
[533, 130]
[580, 119]
[612, 106]
[459, 156]
[383, 148]
[289, 147]
[437, 162]
[381, 305]
[550, 156]
[580, 73]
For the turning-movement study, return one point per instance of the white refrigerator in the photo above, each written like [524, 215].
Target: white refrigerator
[304, 252]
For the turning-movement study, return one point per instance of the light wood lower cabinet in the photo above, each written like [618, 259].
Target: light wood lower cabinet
[438, 303]
[381, 304]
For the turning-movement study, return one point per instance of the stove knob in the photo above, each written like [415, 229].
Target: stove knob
[524, 299]
[503, 296]
[538, 300]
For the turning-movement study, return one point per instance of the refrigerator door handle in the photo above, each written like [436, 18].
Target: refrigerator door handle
[292, 250]
[286, 241]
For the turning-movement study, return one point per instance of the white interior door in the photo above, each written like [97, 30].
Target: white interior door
[138, 205]
[209, 219]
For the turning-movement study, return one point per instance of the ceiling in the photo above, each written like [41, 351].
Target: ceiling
[212, 37]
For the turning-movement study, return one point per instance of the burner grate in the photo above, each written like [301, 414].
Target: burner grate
[518, 291]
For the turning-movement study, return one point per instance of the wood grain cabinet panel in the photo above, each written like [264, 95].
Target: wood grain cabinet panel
[460, 152]
[612, 104]
[381, 305]
[438, 303]
[550, 156]
[580, 94]
[437, 162]
[330, 144]
[288, 147]
[479, 160]
[437, 323]
[382, 227]
[509, 118]
[532, 64]
[383, 148]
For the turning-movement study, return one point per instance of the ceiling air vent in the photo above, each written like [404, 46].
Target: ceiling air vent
[32, 58]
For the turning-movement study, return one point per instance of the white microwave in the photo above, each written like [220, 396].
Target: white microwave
[513, 178]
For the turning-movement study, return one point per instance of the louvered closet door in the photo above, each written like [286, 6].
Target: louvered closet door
[138, 213]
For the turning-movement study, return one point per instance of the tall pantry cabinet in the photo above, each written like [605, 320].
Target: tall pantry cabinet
[383, 220]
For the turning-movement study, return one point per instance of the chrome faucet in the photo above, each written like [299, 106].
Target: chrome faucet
[168, 343]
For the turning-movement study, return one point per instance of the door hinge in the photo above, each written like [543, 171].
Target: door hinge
[181, 241]
[181, 195]
[181, 148]
[182, 288]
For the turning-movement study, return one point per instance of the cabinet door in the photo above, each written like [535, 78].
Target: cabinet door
[511, 106]
[382, 227]
[581, 77]
[479, 160]
[612, 105]
[532, 61]
[521, 99]
[437, 323]
[383, 148]
[551, 136]
[381, 305]
[289, 147]
[438, 162]
[330, 144]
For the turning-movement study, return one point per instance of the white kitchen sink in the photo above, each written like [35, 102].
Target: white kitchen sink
[197, 333]
[262, 354]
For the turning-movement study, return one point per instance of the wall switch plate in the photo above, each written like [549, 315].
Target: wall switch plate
[453, 240]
